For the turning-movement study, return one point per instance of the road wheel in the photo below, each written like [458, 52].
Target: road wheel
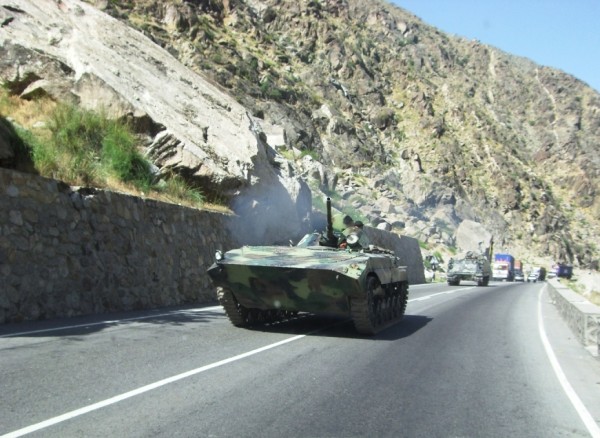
[402, 299]
[375, 311]
[237, 314]
[364, 309]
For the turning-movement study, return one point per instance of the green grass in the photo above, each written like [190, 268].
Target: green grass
[86, 148]
[176, 188]
[21, 146]
[311, 152]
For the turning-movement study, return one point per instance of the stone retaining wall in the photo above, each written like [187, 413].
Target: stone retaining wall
[66, 252]
[580, 315]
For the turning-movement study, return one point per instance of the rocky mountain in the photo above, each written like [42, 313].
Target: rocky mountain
[407, 127]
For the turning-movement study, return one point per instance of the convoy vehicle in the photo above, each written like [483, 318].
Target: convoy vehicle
[564, 271]
[538, 272]
[518, 266]
[472, 266]
[541, 271]
[325, 273]
[503, 267]
[518, 274]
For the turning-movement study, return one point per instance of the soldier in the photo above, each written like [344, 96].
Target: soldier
[363, 239]
[348, 225]
[354, 228]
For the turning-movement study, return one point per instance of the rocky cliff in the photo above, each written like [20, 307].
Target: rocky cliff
[412, 129]
[73, 52]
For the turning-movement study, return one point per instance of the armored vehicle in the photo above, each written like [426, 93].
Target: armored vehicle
[472, 267]
[325, 273]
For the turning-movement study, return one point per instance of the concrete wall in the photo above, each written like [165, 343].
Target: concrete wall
[65, 252]
[580, 315]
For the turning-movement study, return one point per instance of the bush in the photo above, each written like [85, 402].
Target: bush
[121, 158]
[176, 188]
[86, 147]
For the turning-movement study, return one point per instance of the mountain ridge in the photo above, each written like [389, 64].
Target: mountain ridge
[409, 127]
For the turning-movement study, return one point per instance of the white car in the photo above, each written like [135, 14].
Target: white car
[532, 277]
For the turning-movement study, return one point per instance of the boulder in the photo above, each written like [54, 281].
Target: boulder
[472, 236]
[74, 52]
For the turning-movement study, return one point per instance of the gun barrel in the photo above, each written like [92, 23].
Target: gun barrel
[330, 235]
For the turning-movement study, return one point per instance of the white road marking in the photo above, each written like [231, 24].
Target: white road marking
[108, 322]
[202, 309]
[143, 389]
[138, 318]
[584, 414]
[155, 385]
[448, 292]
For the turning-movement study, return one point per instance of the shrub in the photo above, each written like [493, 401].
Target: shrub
[121, 158]
[175, 188]
[88, 147]
[85, 148]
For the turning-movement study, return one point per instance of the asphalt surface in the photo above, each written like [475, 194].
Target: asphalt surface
[466, 361]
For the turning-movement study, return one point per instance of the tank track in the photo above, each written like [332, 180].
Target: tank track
[380, 308]
[241, 316]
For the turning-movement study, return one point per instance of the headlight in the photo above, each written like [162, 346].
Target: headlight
[219, 256]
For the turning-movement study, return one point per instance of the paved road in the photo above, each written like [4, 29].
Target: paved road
[466, 362]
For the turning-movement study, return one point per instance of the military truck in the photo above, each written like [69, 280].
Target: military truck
[472, 266]
[325, 273]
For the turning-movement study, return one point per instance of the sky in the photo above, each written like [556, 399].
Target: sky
[564, 34]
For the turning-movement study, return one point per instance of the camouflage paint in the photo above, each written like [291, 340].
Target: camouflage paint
[472, 267]
[309, 279]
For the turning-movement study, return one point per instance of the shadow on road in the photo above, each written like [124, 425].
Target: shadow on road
[303, 324]
[409, 325]
[84, 325]
[318, 325]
